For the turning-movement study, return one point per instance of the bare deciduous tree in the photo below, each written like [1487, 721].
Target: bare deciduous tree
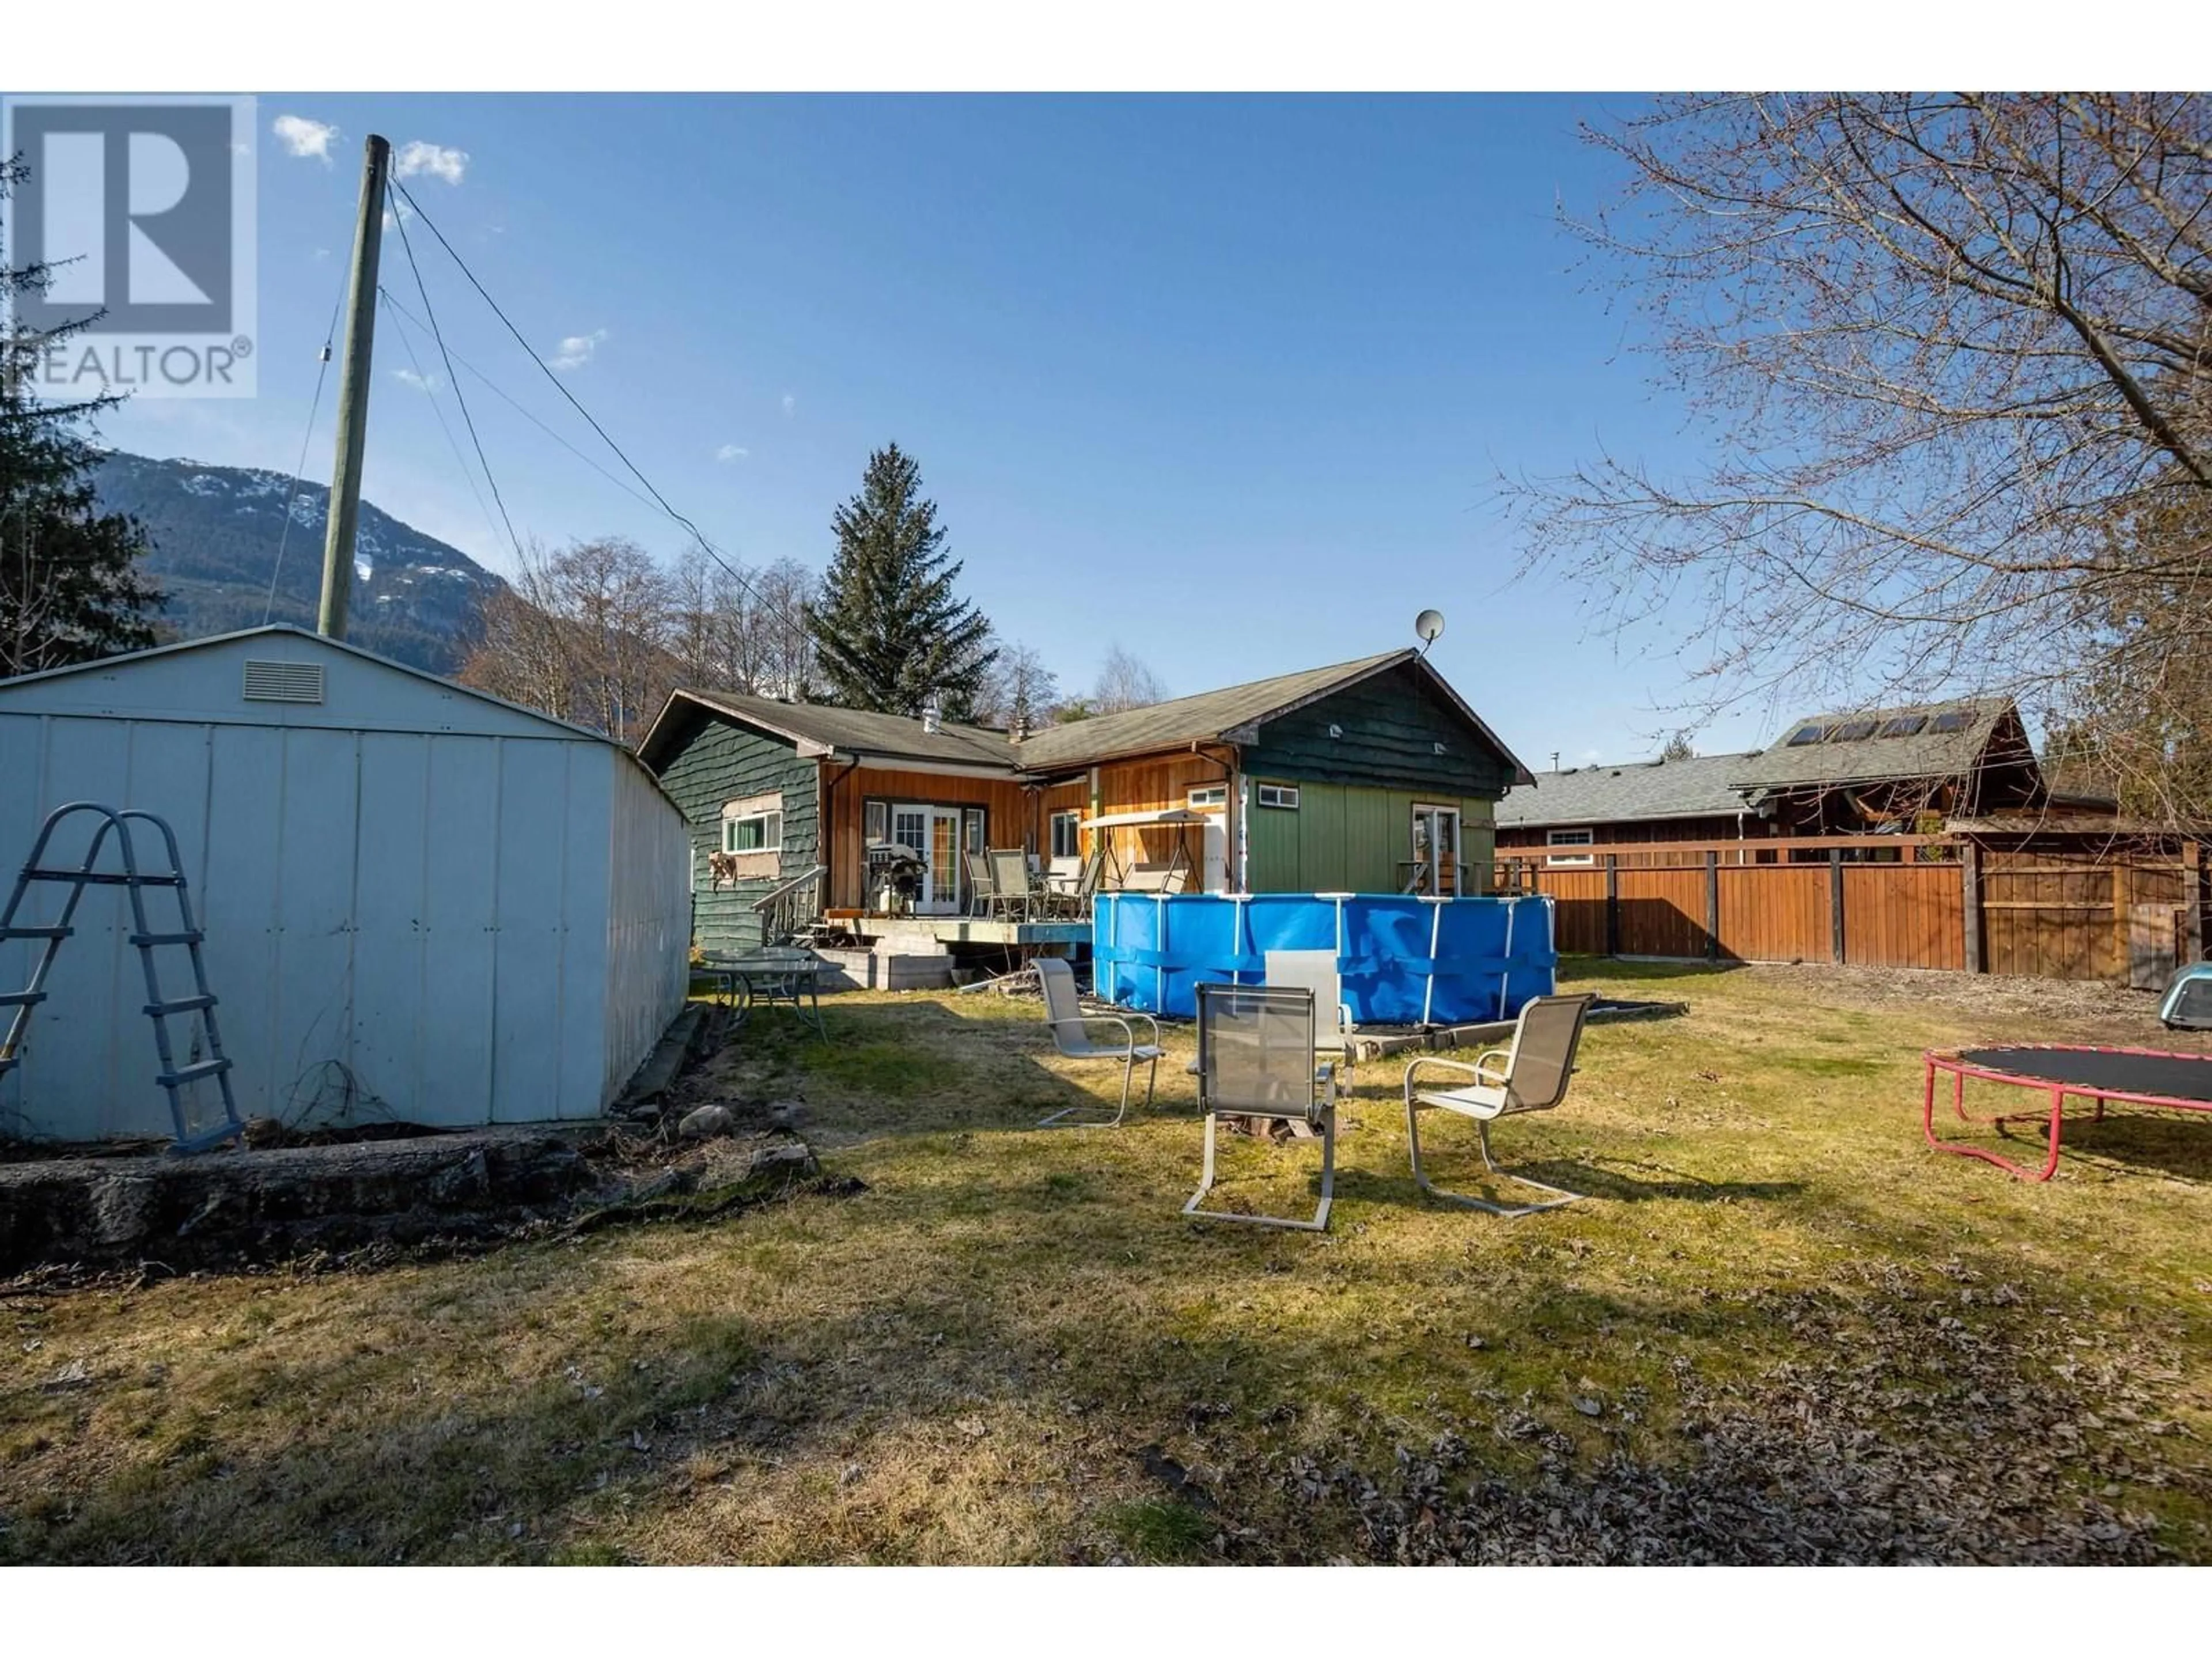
[1124, 681]
[1018, 690]
[1953, 354]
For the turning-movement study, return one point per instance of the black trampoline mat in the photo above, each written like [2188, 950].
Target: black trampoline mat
[2177, 1077]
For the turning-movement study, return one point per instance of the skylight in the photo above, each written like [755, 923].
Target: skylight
[1852, 731]
[1953, 720]
[1805, 735]
[1904, 726]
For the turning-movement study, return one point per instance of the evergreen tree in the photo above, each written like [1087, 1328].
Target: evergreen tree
[888, 629]
[71, 588]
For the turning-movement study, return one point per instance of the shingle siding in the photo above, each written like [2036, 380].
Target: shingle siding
[719, 762]
[1391, 725]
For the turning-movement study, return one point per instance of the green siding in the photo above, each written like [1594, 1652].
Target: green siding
[718, 762]
[1342, 839]
[1390, 725]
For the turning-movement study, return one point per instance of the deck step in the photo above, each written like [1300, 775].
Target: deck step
[144, 939]
[21, 999]
[102, 878]
[9, 934]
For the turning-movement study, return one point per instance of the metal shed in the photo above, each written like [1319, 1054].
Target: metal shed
[420, 902]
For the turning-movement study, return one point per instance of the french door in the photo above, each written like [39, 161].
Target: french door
[933, 834]
[1436, 851]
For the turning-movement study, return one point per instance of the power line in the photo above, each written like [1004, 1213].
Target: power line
[399, 307]
[661, 501]
[438, 335]
[300, 466]
[444, 426]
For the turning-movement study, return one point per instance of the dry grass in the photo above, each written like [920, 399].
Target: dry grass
[1783, 1331]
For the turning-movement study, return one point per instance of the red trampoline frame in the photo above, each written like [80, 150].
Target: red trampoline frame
[1960, 1068]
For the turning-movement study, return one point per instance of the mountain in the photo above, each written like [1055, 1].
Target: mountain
[215, 531]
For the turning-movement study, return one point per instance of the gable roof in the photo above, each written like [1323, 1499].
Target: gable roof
[1694, 788]
[1228, 714]
[1926, 754]
[815, 729]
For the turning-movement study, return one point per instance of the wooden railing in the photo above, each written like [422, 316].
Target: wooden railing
[1889, 901]
[785, 910]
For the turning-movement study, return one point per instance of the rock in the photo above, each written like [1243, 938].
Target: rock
[266, 1132]
[786, 1114]
[705, 1122]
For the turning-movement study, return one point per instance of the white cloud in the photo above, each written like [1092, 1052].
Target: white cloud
[416, 157]
[790, 403]
[576, 350]
[396, 212]
[420, 382]
[303, 137]
[729, 452]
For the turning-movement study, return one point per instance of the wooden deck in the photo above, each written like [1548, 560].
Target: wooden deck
[942, 933]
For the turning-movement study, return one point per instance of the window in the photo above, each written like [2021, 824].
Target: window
[975, 830]
[1212, 795]
[755, 832]
[1284, 795]
[1904, 726]
[878, 829]
[1805, 735]
[1953, 720]
[1066, 835]
[1571, 838]
[1852, 731]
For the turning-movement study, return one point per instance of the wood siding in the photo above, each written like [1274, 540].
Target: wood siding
[1009, 820]
[1152, 785]
[1391, 724]
[718, 762]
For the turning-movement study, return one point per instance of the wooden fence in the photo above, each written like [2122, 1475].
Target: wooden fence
[1902, 902]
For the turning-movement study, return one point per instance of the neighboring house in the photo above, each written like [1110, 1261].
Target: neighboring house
[1687, 799]
[1871, 772]
[420, 902]
[1372, 775]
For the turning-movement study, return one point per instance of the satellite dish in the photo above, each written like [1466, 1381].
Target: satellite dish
[1428, 625]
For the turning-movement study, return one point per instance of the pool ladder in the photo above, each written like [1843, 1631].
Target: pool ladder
[187, 936]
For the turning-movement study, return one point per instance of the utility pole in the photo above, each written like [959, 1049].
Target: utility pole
[354, 370]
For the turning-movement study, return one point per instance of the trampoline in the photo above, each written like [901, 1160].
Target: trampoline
[2134, 1077]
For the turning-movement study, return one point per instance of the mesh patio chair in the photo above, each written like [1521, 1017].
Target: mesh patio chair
[1255, 1060]
[1316, 971]
[1071, 1035]
[1530, 1076]
[982, 890]
[1010, 877]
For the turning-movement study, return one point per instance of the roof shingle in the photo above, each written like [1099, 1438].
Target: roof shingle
[1694, 788]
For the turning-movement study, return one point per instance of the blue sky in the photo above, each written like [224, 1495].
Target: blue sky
[1226, 380]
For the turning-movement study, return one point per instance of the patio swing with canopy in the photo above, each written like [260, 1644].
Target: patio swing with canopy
[1145, 876]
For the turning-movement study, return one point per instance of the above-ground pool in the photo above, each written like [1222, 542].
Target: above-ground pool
[1403, 961]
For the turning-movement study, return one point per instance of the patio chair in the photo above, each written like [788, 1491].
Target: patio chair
[1010, 879]
[1530, 1076]
[1086, 885]
[1255, 1060]
[1315, 970]
[1071, 1035]
[982, 890]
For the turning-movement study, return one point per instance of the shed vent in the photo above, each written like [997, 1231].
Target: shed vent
[283, 682]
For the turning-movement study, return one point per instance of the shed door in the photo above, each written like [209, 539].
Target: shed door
[2152, 956]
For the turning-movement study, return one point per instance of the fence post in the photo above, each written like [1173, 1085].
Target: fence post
[1712, 905]
[1970, 880]
[2122, 904]
[1836, 904]
[1612, 904]
[2192, 891]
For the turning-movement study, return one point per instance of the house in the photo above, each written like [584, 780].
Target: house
[1372, 775]
[1864, 772]
[420, 903]
[1654, 800]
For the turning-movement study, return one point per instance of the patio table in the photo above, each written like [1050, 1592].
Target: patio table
[771, 975]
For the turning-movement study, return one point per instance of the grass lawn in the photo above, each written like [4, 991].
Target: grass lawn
[1783, 1330]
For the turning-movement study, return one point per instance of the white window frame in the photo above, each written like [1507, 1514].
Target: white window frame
[1205, 795]
[1074, 819]
[769, 821]
[1278, 797]
[1571, 838]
